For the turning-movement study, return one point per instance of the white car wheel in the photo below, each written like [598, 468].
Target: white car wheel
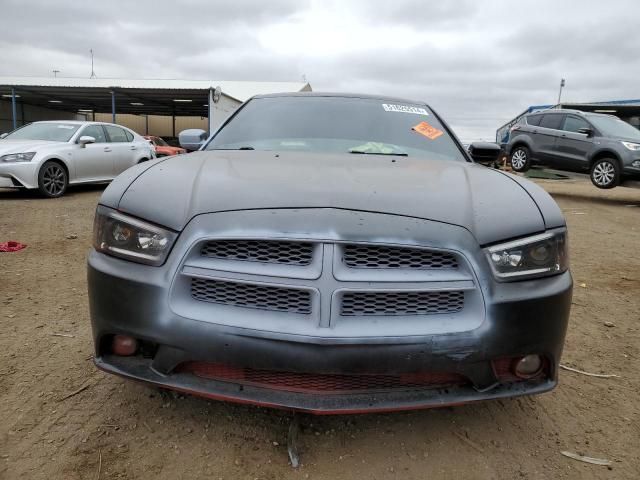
[52, 180]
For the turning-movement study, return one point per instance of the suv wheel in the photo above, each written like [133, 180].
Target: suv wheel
[520, 159]
[52, 180]
[605, 173]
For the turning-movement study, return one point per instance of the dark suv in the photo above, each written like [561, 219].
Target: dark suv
[603, 145]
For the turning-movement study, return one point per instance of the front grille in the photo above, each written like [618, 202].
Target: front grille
[372, 256]
[320, 383]
[401, 303]
[250, 295]
[265, 251]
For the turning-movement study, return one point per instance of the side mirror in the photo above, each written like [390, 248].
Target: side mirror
[192, 139]
[485, 152]
[85, 139]
[3, 135]
[586, 130]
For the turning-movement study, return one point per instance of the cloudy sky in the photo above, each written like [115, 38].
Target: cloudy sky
[479, 63]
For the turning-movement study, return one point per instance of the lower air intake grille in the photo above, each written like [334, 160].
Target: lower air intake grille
[401, 303]
[320, 383]
[250, 295]
[265, 251]
[372, 256]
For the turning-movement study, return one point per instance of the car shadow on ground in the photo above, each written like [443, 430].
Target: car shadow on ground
[324, 435]
[625, 202]
[22, 193]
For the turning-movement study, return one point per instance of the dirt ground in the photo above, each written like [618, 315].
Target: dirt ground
[61, 418]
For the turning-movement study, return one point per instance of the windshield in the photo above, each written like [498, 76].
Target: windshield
[160, 142]
[337, 125]
[54, 132]
[614, 127]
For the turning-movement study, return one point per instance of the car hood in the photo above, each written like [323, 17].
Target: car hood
[488, 203]
[21, 146]
[624, 139]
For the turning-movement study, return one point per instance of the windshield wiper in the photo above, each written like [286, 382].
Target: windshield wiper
[361, 152]
[244, 147]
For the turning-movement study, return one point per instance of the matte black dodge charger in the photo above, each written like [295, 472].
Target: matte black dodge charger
[330, 254]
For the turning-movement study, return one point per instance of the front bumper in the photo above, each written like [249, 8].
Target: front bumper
[516, 319]
[138, 369]
[17, 175]
[630, 170]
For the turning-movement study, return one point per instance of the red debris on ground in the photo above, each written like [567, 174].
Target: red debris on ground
[11, 246]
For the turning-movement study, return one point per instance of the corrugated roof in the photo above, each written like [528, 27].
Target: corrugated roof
[633, 101]
[240, 90]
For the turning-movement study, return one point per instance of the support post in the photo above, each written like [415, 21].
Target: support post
[146, 124]
[173, 118]
[113, 106]
[14, 111]
[210, 114]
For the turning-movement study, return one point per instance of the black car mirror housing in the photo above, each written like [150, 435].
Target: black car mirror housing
[485, 152]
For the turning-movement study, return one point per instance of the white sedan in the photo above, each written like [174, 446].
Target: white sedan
[52, 155]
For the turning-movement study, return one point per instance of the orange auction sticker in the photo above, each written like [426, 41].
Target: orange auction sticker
[427, 130]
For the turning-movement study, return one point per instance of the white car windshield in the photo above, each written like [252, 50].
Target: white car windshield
[53, 132]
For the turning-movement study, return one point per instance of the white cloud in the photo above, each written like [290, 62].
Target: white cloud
[321, 33]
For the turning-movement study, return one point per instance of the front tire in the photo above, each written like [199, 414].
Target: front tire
[52, 179]
[520, 159]
[605, 173]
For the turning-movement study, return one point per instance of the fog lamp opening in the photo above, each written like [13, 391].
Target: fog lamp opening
[124, 345]
[528, 366]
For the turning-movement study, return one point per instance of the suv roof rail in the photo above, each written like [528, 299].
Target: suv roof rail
[556, 110]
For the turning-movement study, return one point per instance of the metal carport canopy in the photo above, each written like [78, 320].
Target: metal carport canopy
[621, 108]
[134, 96]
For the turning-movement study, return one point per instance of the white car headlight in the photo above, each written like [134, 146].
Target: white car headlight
[632, 146]
[17, 157]
[536, 256]
[126, 237]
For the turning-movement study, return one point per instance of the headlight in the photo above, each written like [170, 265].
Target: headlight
[122, 236]
[17, 157]
[537, 256]
[632, 146]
